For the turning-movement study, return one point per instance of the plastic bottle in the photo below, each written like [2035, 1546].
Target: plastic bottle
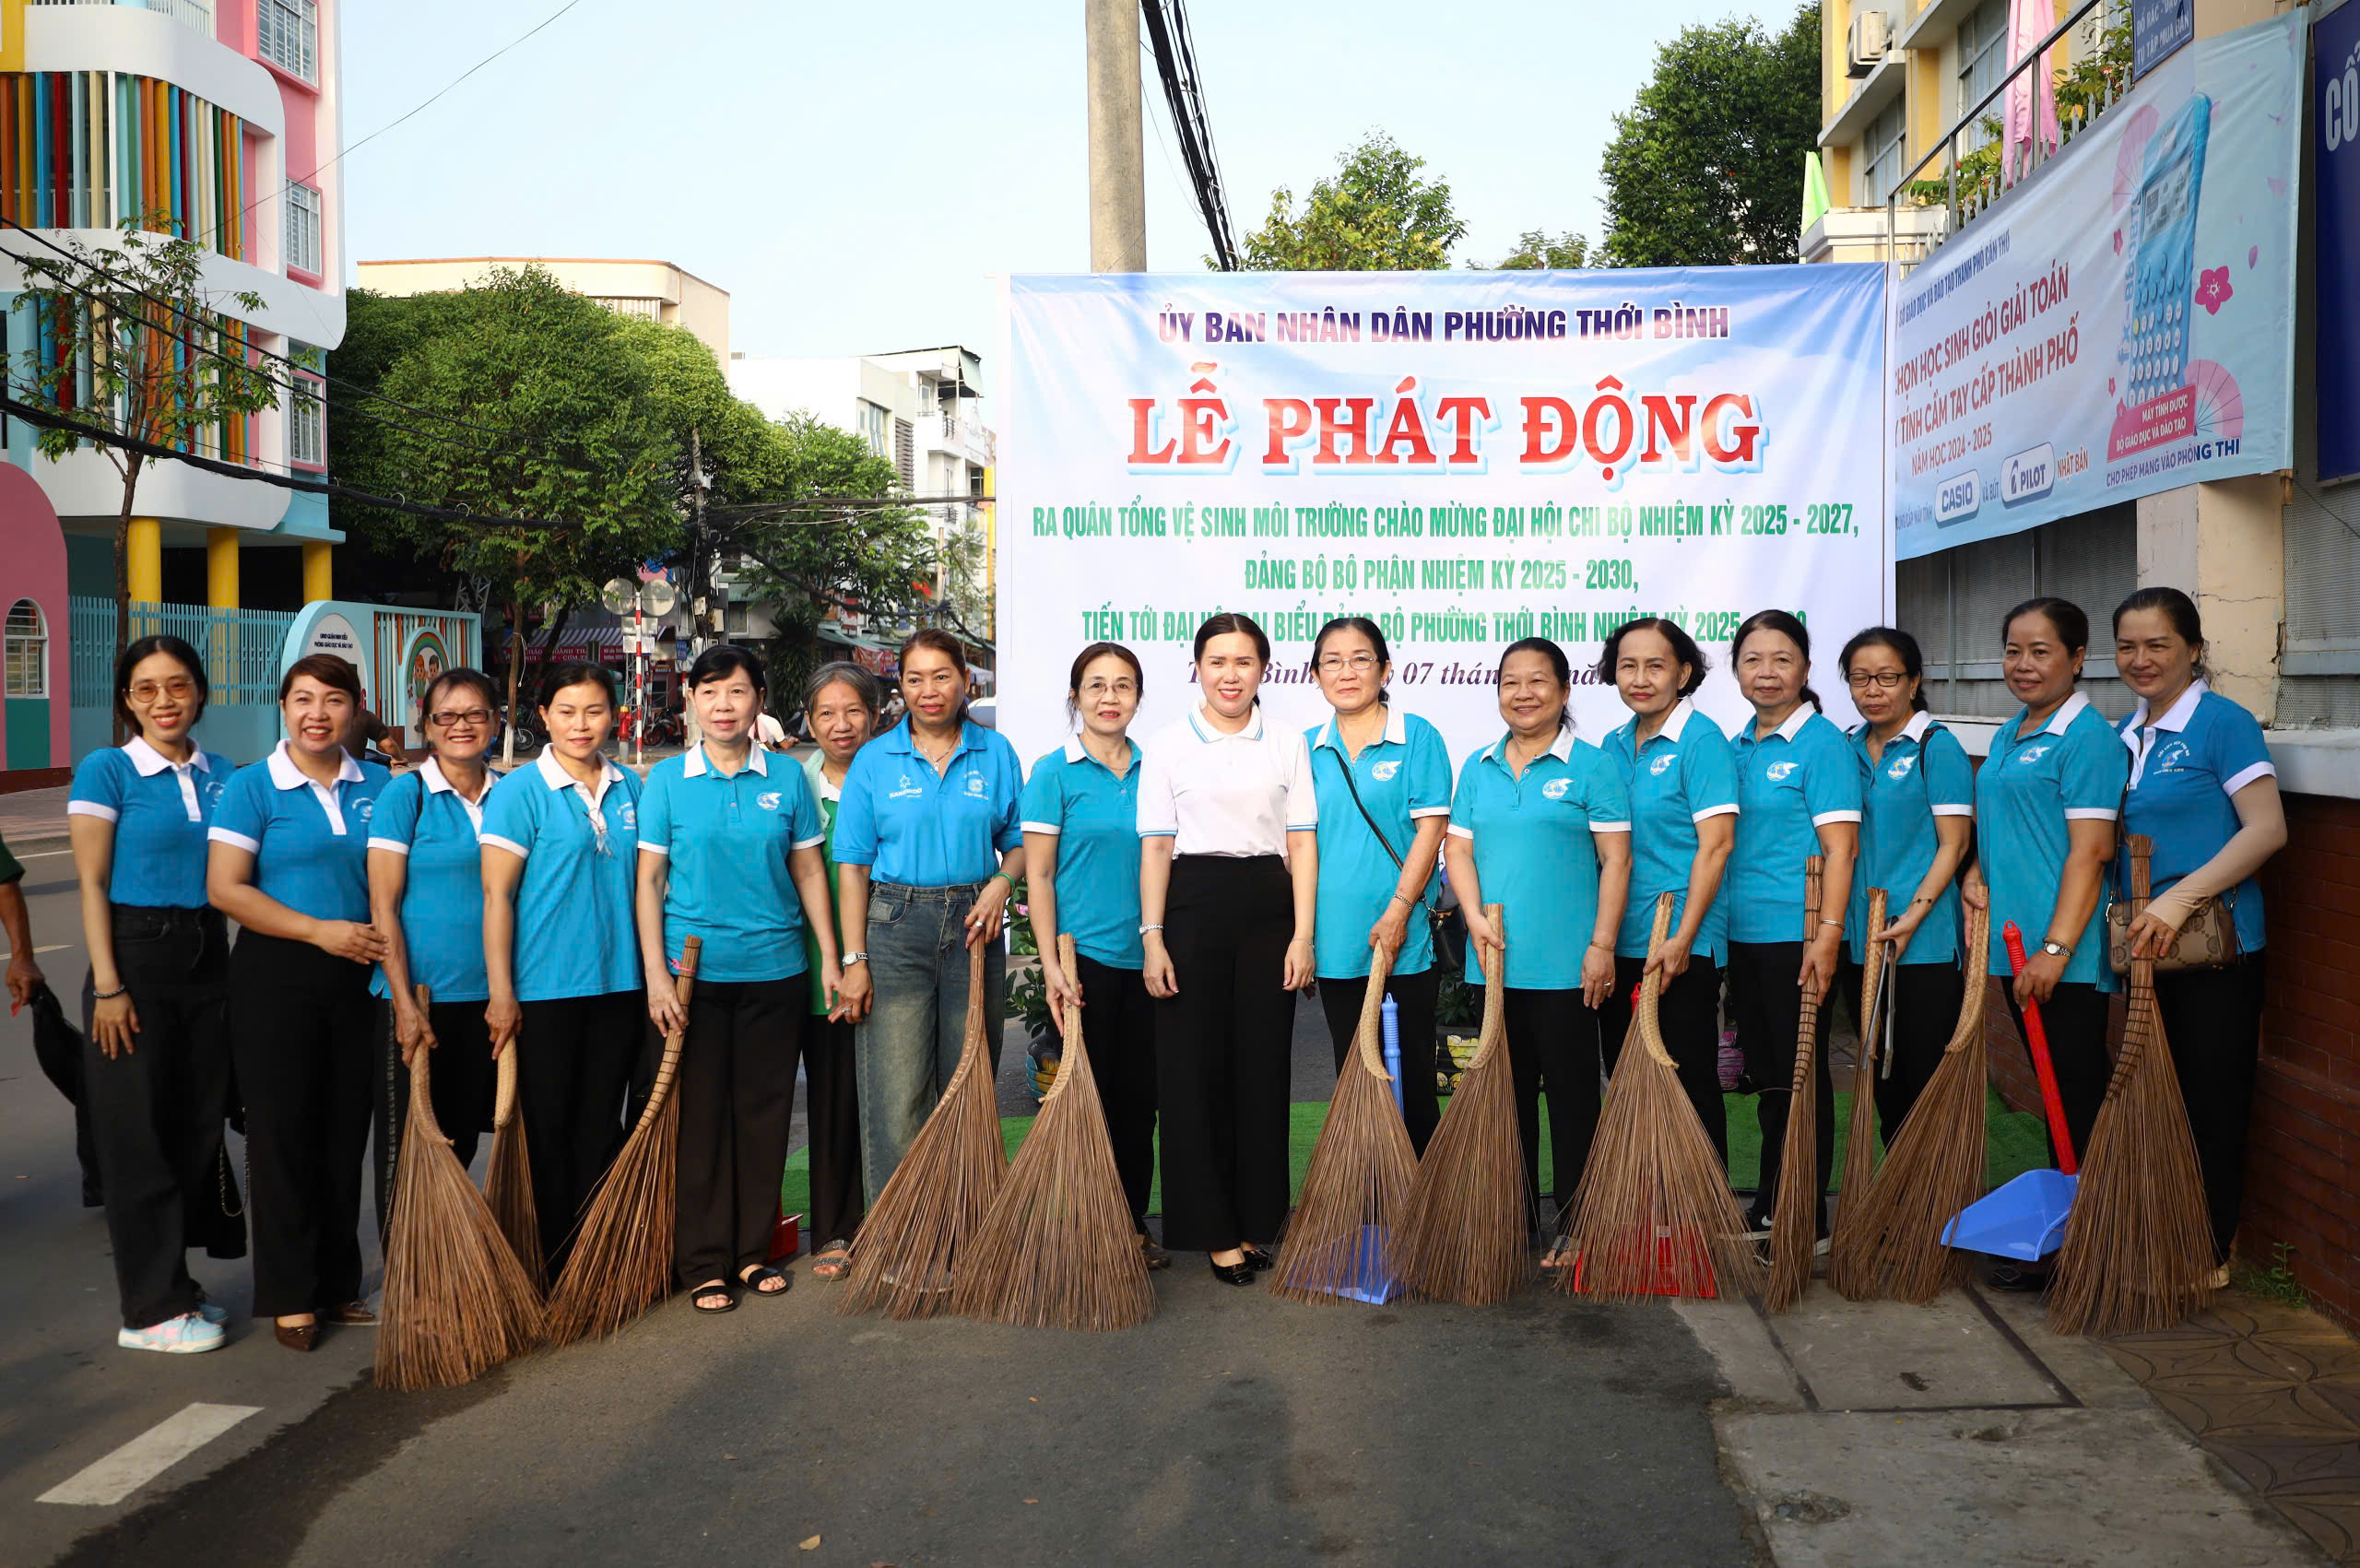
[1393, 1047]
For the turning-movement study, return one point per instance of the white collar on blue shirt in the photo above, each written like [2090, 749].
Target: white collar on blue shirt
[1795, 722]
[287, 775]
[1561, 748]
[1076, 751]
[2067, 712]
[553, 773]
[1674, 722]
[693, 765]
[2176, 718]
[1915, 728]
[150, 762]
[1396, 730]
[1208, 734]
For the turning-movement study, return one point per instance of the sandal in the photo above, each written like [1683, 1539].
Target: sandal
[833, 1262]
[755, 1279]
[705, 1294]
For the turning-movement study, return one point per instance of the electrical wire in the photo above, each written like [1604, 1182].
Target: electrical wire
[1175, 62]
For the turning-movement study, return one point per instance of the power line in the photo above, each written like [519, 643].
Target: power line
[1184, 92]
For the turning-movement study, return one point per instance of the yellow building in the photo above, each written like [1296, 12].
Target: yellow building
[651, 290]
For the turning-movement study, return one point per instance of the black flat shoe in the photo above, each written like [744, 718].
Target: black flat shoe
[1233, 1273]
[1257, 1259]
[2018, 1280]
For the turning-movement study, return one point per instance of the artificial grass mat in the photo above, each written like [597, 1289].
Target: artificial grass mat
[2014, 1142]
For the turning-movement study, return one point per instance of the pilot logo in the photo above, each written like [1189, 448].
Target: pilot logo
[2032, 754]
[1662, 764]
[1899, 767]
[1555, 789]
[767, 800]
[1778, 772]
[1386, 769]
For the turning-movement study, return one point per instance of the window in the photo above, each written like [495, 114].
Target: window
[303, 230]
[307, 424]
[905, 456]
[26, 656]
[1883, 151]
[872, 425]
[734, 622]
[1982, 60]
[288, 33]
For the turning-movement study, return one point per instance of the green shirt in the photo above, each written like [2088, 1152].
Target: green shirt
[825, 794]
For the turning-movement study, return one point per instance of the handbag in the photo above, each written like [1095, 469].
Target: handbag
[2207, 940]
[1449, 932]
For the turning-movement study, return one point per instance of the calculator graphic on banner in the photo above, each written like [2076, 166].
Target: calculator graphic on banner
[2162, 279]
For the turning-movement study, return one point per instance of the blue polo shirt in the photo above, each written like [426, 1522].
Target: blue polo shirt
[1402, 776]
[576, 931]
[1683, 775]
[1924, 773]
[1533, 855]
[1790, 784]
[161, 810]
[728, 839]
[2184, 768]
[2070, 769]
[423, 819]
[309, 842]
[909, 824]
[1076, 799]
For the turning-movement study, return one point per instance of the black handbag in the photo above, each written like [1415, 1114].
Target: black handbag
[1443, 920]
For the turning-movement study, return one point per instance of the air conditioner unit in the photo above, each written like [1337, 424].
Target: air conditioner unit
[1865, 46]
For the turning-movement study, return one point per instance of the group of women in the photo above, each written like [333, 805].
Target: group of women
[1206, 877]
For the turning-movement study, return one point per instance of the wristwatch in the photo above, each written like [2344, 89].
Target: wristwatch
[2057, 949]
[850, 959]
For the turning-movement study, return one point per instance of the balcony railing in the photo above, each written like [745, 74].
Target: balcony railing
[195, 15]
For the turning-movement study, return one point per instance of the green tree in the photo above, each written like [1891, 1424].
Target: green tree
[1535, 249]
[1376, 214]
[1701, 170]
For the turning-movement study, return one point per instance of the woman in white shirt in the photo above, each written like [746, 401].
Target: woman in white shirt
[1228, 877]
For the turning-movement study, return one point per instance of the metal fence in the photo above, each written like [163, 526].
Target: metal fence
[240, 648]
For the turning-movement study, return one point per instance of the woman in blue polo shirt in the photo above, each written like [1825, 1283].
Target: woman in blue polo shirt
[2046, 803]
[289, 863]
[2203, 788]
[729, 852]
[1541, 826]
[928, 847]
[426, 899]
[1797, 794]
[156, 1065]
[1918, 805]
[1386, 777]
[1681, 778]
[561, 948]
[1081, 874]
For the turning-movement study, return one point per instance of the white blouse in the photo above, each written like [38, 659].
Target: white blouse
[1218, 793]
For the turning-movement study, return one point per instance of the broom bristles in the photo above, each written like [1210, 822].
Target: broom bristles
[1361, 1172]
[2138, 1253]
[1889, 1246]
[933, 1207]
[1654, 1208]
[1463, 1229]
[1794, 1217]
[1860, 1137]
[1056, 1249]
[508, 1177]
[457, 1302]
[621, 1261]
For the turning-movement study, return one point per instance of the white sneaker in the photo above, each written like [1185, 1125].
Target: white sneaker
[183, 1336]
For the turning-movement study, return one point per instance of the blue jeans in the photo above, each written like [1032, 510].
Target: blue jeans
[907, 1046]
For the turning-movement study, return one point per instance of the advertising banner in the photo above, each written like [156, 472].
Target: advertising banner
[2335, 162]
[1466, 458]
[2120, 323]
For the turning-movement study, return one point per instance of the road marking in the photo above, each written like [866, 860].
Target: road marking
[44, 854]
[53, 947]
[148, 1456]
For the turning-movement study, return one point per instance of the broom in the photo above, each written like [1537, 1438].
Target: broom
[1654, 1204]
[1056, 1249]
[457, 1302]
[623, 1254]
[1794, 1219]
[934, 1207]
[1888, 1245]
[1463, 1235]
[508, 1176]
[2138, 1253]
[1361, 1172]
[1860, 1138]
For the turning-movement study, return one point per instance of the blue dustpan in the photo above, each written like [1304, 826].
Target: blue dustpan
[1372, 1279]
[2024, 1219]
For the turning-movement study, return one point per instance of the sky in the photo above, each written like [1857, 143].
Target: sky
[856, 175]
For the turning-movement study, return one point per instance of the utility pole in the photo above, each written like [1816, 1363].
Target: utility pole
[1117, 163]
[700, 587]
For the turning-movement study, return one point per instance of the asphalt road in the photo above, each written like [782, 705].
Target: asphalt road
[1234, 1427]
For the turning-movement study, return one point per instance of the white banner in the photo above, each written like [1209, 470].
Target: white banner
[1467, 458]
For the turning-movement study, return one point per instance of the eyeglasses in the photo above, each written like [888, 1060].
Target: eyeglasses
[179, 686]
[448, 717]
[1883, 680]
[1358, 664]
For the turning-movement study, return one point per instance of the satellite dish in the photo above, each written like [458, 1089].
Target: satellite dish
[619, 596]
[660, 598]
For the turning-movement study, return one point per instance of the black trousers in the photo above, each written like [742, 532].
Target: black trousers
[2212, 1018]
[2075, 1017]
[1553, 1046]
[574, 1066]
[1691, 1015]
[1223, 1046]
[1413, 997]
[737, 1090]
[1118, 1027]
[832, 1116]
[299, 1021]
[1925, 1005]
[463, 1083]
[155, 1112]
[1767, 1005]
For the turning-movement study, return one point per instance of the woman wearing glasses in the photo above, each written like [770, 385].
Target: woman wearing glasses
[1917, 820]
[426, 899]
[561, 948]
[1385, 778]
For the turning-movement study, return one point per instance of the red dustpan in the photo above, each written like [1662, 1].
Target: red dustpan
[2025, 1218]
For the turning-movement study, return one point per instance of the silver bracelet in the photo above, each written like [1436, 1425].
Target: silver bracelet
[1145, 929]
[109, 996]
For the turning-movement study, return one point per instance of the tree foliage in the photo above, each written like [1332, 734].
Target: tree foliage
[1535, 249]
[1375, 214]
[1702, 170]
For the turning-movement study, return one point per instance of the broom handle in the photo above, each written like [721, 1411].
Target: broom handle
[1808, 1024]
[421, 1100]
[2036, 1039]
[1370, 1032]
[1650, 997]
[1978, 981]
[1872, 986]
[1066, 962]
[2141, 849]
[684, 985]
[971, 1048]
[503, 1108]
[1495, 1017]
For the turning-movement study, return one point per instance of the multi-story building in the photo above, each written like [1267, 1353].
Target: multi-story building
[650, 290]
[221, 121]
